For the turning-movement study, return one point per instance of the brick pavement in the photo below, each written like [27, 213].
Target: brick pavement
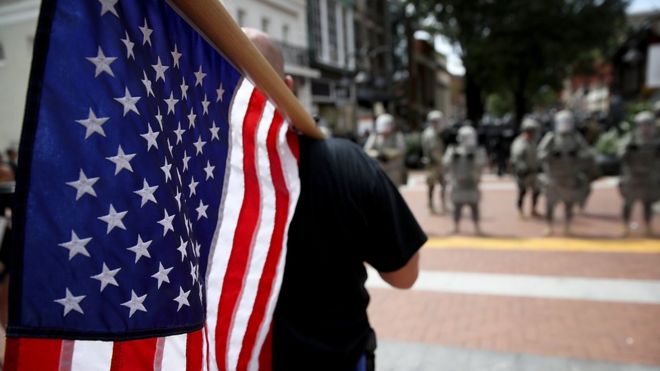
[539, 331]
[548, 263]
[567, 328]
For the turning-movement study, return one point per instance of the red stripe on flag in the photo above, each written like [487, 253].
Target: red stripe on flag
[32, 354]
[244, 234]
[266, 355]
[274, 252]
[194, 351]
[134, 355]
[292, 140]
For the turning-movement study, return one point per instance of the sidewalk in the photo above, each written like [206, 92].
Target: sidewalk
[518, 302]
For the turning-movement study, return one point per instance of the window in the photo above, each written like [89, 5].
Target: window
[332, 30]
[285, 33]
[315, 29]
[265, 24]
[240, 17]
[2, 54]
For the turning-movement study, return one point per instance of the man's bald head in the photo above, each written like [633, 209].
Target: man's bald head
[268, 48]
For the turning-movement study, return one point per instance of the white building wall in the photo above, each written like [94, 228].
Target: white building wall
[18, 22]
[280, 14]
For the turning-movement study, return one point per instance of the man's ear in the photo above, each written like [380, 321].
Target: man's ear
[290, 83]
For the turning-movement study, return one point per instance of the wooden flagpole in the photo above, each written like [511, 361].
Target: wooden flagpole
[211, 18]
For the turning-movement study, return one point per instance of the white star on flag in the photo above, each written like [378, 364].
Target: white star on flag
[205, 105]
[167, 170]
[199, 76]
[146, 33]
[162, 274]
[135, 304]
[129, 46]
[176, 56]
[108, 6]
[102, 63]
[122, 160]
[160, 70]
[185, 160]
[140, 249]
[182, 299]
[166, 222]
[191, 118]
[209, 170]
[107, 277]
[114, 219]
[214, 132]
[76, 245]
[201, 210]
[83, 185]
[71, 302]
[193, 186]
[179, 133]
[128, 102]
[93, 124]
[183, 248]
[147, 84]
[199, 146]
[177, 198]
[147, 193]
[150, 136]
[171, 102]
[184, 88]
[220, 92]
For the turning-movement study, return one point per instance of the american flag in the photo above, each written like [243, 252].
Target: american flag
[155, 194]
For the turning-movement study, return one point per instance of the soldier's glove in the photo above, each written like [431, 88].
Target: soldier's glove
[633, 147]
[556, 154]
[455, 157]
[382, 158]
[572, 154]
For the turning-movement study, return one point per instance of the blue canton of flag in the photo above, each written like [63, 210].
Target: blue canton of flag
[126, 176]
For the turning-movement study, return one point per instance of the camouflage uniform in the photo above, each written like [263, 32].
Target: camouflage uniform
[525, 164]
[464, 164]
[432, 149]
[568, 164]
[640, 169]
[388, 147]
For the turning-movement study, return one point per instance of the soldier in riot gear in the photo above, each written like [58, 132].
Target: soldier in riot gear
[525, 164]
[640, 173]
[464, 163]
[388, 147]
[567, 163]
[433, 148]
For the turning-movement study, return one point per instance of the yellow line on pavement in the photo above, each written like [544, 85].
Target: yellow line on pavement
[644, 246]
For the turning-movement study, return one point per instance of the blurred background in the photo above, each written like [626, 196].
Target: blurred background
[506, 298]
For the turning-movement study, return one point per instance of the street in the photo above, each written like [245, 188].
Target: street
[516, 301]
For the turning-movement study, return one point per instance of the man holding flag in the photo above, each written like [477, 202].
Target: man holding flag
[349, 213]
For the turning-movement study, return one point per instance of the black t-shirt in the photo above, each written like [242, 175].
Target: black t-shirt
[348, 213]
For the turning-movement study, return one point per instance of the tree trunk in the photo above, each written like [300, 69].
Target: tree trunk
[473, 100]
[520, 102]
[520, 98]
[412, 74]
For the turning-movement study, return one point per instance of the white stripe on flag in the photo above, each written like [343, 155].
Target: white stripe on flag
[228, 219]
[91, 355]
[174, 353]
[261, 244]
[291, 176]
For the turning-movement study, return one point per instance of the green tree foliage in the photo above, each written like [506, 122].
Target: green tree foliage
[519, 46]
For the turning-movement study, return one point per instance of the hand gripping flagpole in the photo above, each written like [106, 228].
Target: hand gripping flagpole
[211, 18]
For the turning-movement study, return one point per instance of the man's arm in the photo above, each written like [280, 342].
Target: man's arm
[404, 277]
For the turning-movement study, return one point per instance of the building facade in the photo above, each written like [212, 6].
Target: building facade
[18, 23]
[331, 37]
[286, 22]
